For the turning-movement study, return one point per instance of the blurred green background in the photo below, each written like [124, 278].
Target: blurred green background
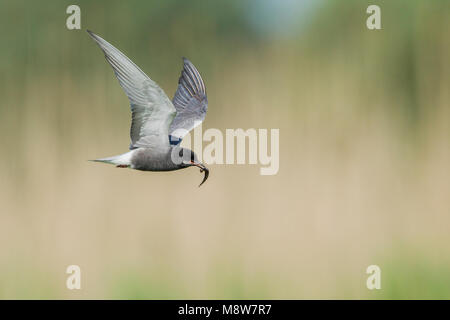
[364, 152]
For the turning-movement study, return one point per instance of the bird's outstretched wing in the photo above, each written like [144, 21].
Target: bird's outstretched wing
[190, 101]
[152, 111]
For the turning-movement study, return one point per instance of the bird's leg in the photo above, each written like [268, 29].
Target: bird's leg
[122, 166]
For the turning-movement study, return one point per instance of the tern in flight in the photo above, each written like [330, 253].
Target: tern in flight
[157, 124]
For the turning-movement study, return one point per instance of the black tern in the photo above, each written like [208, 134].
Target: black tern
[157, 124]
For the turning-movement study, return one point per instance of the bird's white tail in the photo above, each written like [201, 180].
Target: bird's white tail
[119, 160]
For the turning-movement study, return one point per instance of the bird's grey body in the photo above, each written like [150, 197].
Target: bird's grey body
[146, 159]
[158, 124]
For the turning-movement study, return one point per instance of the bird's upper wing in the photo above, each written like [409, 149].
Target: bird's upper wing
[152, 111]
[190, 101]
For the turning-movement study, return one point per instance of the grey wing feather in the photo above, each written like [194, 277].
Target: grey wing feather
[152, 111]
[190, 101]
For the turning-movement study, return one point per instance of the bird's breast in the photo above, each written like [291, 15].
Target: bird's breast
[151, 160]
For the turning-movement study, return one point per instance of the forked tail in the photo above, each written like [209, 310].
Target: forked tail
[120, 160]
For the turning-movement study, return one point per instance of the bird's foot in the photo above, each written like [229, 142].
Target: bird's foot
[121, 166]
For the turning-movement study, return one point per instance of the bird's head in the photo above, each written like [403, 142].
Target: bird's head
[189, 159]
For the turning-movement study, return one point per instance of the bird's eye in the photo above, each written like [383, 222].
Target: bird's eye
[181, 153]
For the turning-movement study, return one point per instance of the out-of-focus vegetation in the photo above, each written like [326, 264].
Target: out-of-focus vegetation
[364, 138]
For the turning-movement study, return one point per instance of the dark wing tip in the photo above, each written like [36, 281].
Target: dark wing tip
[93, 35]
[191, 78]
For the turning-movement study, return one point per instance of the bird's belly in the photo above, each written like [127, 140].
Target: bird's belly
[153, 168]
[146, 160]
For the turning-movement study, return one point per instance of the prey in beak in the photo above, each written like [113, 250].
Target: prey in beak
[202, 168]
